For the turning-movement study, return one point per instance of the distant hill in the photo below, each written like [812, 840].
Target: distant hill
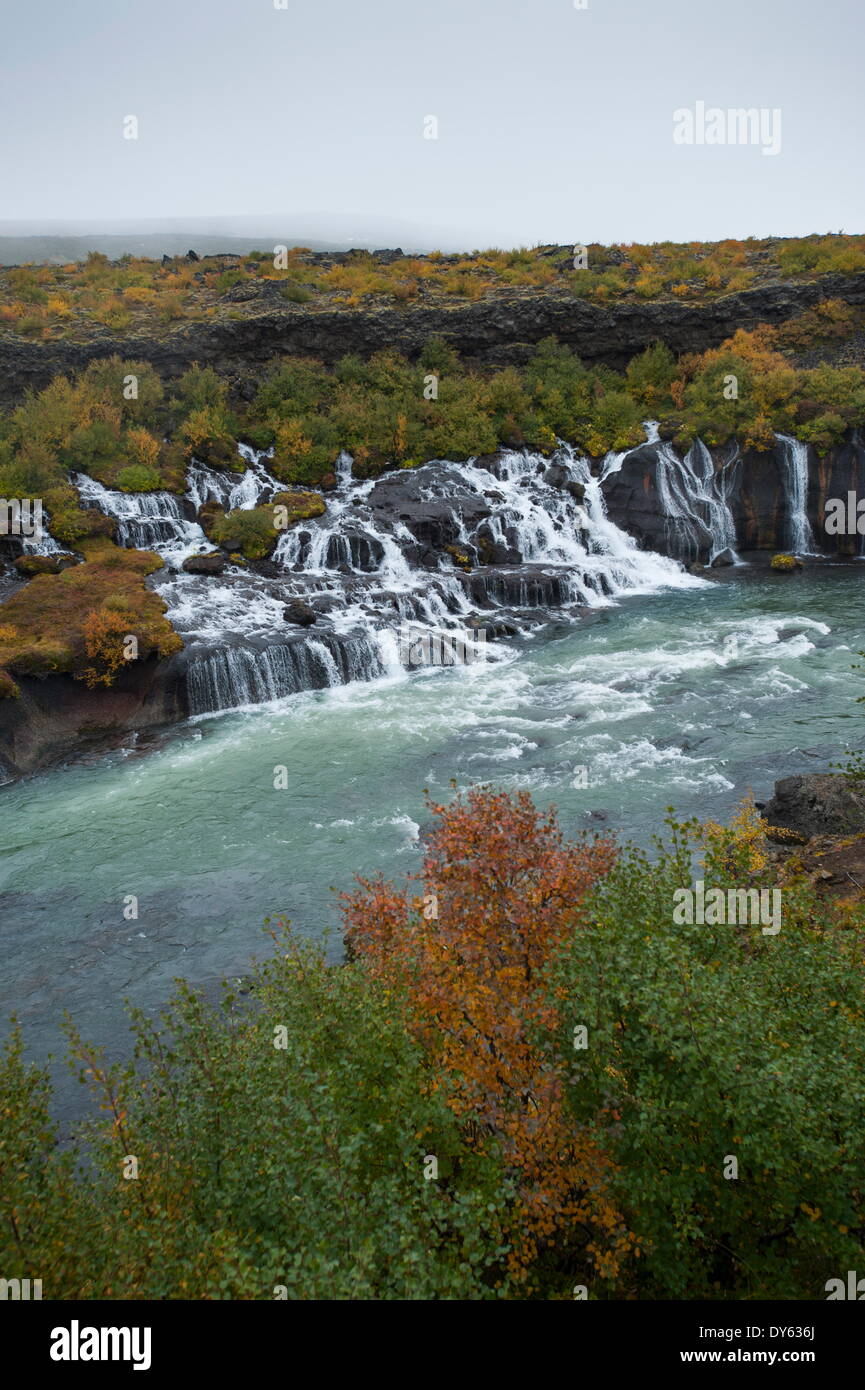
[58, 243]
[61, 250]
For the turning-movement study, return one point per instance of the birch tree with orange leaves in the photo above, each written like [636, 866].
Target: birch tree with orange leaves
[500, 891]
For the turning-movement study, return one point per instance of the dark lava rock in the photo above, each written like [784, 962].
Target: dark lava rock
[298, 611]
[826, 803]
[212, 563]
[241, 293]
[724, 557]
[557, 476]
[492, 627]
[191, 256]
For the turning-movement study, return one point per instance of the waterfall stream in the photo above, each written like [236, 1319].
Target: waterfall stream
[794, 459]
[487, 546]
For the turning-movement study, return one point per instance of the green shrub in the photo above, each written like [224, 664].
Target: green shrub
[139, 478]
[281, 1141]
[710, 1042]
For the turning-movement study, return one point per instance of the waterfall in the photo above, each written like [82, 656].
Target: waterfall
[710, 492]
[146, 520]
[418, 551]
[359, 568]
[233, 492]
[799, 538]
[233, 677]
[44, 544]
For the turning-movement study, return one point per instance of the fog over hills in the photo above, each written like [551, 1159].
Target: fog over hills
[62, 241]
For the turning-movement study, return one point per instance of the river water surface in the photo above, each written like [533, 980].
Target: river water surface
[689, 697]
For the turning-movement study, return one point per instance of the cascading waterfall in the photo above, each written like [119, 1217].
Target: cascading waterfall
[146, 520]
[232, 677]
[794, 460]
[426, 550]
[711, 493]
[357, 565]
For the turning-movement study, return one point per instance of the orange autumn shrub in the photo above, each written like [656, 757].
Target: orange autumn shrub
[105, 642]
[501, 894]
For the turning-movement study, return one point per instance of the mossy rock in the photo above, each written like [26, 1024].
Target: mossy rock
[300, 505]
[217, 453]
[44, 657]
[459, 557]
[30, 565]
[785, 564]
[254, 532]
[111, 580]
[69, 522]
[212, 563]
[207, 516]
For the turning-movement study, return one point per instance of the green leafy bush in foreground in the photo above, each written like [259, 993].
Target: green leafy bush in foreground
[707, 1042]
[259, 1166]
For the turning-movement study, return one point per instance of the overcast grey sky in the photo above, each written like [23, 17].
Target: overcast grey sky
[554, 123]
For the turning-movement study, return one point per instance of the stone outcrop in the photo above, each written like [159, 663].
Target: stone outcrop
[53, 715]
[817, 804]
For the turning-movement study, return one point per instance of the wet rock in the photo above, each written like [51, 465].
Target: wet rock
[297, 610]
[192, 256]
[212, 563]
[696, 568]
[723, 558]
[492, 627]
[558, 476]
[785, 564]
[817, 804]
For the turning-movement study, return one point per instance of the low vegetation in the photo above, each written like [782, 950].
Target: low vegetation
[76, 622]
[135, 294]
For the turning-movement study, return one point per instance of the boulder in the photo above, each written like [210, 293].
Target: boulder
[297, 610]
[723, 558]
[211, 563]
[828, 803]
[558, 476]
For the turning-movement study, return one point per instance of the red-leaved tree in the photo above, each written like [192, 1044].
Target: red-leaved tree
[501, 890]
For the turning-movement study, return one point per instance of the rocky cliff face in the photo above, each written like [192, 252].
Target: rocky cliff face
[55, 714]
[501, 328]
[756, 486]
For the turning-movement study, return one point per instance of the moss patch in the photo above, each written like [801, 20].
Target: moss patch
[45, 626]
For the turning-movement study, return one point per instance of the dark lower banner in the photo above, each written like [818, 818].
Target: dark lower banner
[83, 1339]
